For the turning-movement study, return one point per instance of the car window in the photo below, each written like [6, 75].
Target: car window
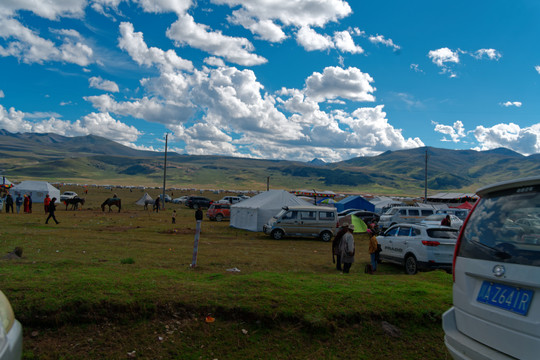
[307, 215]
[327, 215]
[289, 215]
[494, 230]
[392, 232]
[427, 212]
[404, 231]
[442, 233]
[402, 212]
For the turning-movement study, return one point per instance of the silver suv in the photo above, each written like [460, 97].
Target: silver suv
[496, 312]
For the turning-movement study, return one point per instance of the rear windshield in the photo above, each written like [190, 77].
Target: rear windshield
[442, 233]
[505, 227]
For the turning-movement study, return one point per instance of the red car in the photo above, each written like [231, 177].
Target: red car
[219, 212]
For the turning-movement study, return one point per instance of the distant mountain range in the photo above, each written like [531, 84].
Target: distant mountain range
[96, 160]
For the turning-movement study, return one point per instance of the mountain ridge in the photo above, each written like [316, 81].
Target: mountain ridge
[93, 159]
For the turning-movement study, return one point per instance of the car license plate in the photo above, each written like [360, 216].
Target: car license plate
[506, 297]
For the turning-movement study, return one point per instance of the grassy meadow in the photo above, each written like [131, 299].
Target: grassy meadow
[109, 285]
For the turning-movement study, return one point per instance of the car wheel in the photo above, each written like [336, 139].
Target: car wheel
[277, 234]
[326, 236]
[219, 217]
[411, 266]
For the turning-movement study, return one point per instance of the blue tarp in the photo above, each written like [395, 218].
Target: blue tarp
[354, 202]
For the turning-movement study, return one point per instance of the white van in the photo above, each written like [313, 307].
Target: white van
[308, 221]
[460, 213]
[404, 214]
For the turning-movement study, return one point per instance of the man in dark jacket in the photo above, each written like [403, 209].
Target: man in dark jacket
[9, 203]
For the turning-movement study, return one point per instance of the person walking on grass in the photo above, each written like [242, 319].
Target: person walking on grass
[157, 204]
[52, 209]
[174, 216]
[9, 203]
[347, 249]
[373, 250]
[336, 252]
[18, 202]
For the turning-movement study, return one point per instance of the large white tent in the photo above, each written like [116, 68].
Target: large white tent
[36, 189]
[253, 213]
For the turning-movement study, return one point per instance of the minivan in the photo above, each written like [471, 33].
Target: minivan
[460, 213]
[404, 214]
[496, 284]
[307, 221]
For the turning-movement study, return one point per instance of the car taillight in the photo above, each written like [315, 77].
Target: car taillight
[458, 242]
[430, 243]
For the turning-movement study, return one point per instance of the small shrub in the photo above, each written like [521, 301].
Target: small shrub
[127, 261]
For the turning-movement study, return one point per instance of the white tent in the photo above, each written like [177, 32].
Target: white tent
[382, 203]
[253, 213]
[36, 189]
[143, 199]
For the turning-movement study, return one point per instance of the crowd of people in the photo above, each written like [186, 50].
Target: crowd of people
[19, 201]
[25, 202]
[343, 249]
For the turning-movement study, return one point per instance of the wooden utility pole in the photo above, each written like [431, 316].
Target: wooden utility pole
[164, 173]
[425, 180]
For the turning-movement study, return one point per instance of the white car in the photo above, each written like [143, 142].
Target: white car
[11, 335]
[180, 200]
[496, 292]
[230, 200]
[435, 220]
[167, 197]
[419, 247]
[68, 195]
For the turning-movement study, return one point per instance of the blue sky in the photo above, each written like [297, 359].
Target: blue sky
[274, 79]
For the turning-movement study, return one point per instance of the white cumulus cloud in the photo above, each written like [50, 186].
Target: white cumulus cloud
[456, 131]
[336, 82]
[185, 31]
[310, 40]
[523, 140]
[512, 103]
[380, 39]
[98, 83]
[27, 46]
[491, 54]
[134, 44]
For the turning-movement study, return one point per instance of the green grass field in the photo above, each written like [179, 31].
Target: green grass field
[119, 286]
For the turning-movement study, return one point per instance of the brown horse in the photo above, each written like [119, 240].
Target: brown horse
[112, 202]
[74, 202]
